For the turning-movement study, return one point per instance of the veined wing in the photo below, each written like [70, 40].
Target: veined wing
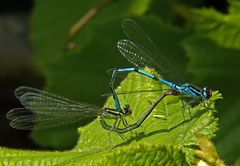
[140, 49]
[25, 119]
[135, 55]
[47, 110]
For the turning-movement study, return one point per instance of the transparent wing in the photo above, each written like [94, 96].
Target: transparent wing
[140, 50]
[24, 119]
[47, 110]
[135, 54]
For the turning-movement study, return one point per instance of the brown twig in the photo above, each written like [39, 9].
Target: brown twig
[74, 30]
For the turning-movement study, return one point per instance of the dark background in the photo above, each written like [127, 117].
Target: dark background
[16, 65]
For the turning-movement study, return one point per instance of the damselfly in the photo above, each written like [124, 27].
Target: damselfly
[46, 110]
[137, 51]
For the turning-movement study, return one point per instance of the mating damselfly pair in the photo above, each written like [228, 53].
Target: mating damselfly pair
[47, 110]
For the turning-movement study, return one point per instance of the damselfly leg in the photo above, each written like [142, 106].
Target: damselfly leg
[141, 119]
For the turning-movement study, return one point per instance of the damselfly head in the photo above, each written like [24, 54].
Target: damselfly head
[127, 109]
[206, 93]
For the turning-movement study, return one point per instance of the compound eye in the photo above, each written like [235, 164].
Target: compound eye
[127, 109]
[206, 92]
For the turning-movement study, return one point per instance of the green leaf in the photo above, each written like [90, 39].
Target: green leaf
[227, 139]
[95, 50]
[209, 63]
[47, 138]
[222, 28]
[158, 154]
[219, 68]
[87, 63]
[52, 21]
[154, 154]
[207, 151]
[170, 140]
[172, 131]
[27, 157]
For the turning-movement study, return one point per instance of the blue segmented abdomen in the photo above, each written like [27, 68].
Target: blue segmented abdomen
[184, 88]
